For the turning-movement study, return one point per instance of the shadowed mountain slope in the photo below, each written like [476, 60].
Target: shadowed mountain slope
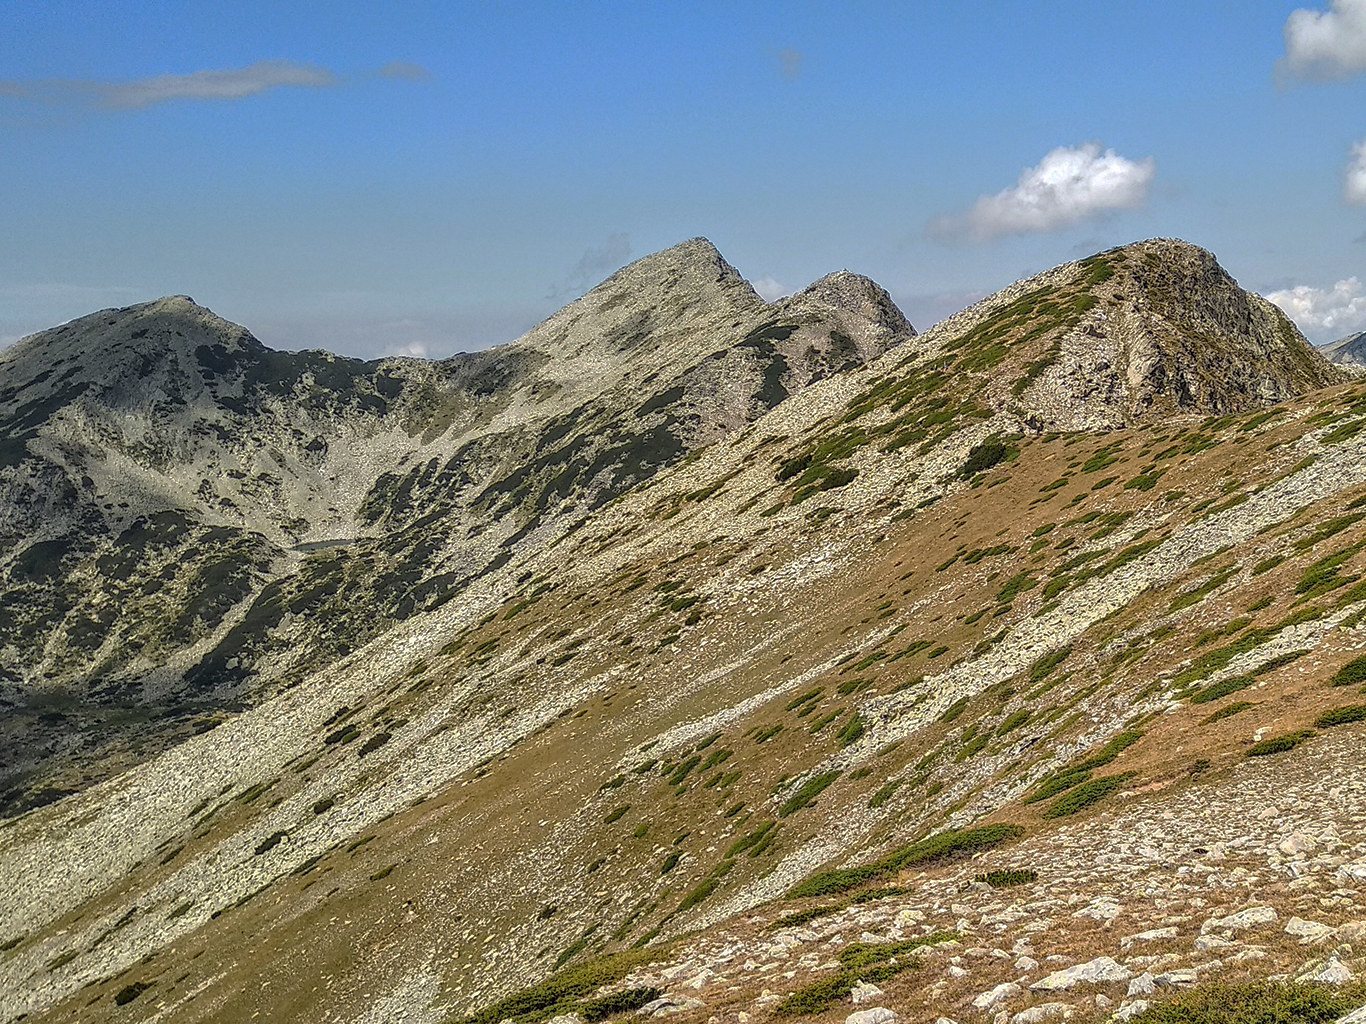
[759, 720]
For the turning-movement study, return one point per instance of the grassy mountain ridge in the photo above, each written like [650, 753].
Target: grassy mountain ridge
[894, 622]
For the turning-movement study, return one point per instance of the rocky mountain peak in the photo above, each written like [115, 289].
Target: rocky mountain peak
[1349, 352]
[857, 294]
[1132, 335]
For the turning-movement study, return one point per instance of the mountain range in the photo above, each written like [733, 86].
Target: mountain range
[692, 652]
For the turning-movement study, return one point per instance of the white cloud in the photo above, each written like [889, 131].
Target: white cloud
[1325, 314]
[1354, 188]
[215, 85]
[1326, 44]
[770, 289]
[1070, 185]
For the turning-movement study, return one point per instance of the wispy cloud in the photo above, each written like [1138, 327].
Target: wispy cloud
[1354, 185]
[596, 263]
[790, 63]
[216, 85]
[203, 86]
[1322, 45]
[770, 289]
[1070, 185]
[1325, 314]
[402, 69]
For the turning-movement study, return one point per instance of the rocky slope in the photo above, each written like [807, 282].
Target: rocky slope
[190, 521]
[1349, 351]
[1027, 593]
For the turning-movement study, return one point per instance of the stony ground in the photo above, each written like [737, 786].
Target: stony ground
[1259, 873]
[882, 612]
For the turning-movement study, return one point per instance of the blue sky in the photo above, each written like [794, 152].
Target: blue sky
[430, 177]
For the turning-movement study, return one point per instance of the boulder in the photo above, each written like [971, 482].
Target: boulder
[877, 1015]
[1095, 972]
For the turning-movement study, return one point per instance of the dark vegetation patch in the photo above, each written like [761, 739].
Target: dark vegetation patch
[1079, 772]
[941, 847]
[563, 991]
[870, 962]
[1342, 716]
[1279, 744]
[1086, 794]
[1255, 1003]
[806, 795]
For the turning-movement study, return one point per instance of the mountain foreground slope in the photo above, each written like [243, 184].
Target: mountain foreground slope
[693, 653]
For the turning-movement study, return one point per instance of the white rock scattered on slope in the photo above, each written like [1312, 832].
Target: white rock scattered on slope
[1308, 932]
[1143, 985]
[877, 1015]
[1152, 935]
[1042, 1012]
[667, 1005]
[1094, 972]
[864, 992]
[1331, 972]
[1002, 993]
[1253, 917]
[1106, 909]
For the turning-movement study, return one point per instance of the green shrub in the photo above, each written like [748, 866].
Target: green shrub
[1342, 716]
[1267, 564]
[941, 847]
[810, 789]
[851, 732]
[1255, 1003]
[885, 793]
[375, 742]
[982, 457]
[753, 839]
[616, 814]
[1278, 744]
[1225, 712]
[1043, 667]
[626, 1001]
[1222, 689]
[1085, 795]
[128, 993]
[860, 961]
[558, 992]
[1350, 674]
[699, 894]
[1080, 771]
[1016, 586]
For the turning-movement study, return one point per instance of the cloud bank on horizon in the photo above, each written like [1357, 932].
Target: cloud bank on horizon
[1325, 314]
[1067, 187]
